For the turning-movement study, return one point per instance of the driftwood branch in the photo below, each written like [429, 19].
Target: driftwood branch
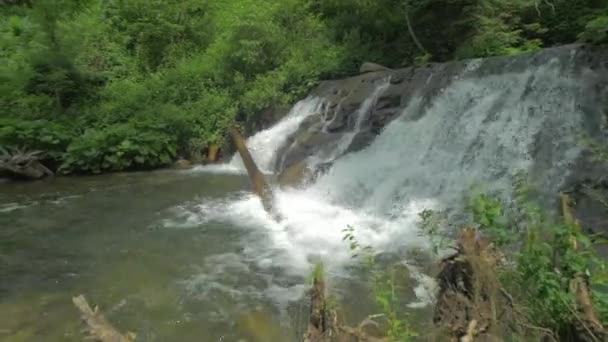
[98, 328]
[21, 163]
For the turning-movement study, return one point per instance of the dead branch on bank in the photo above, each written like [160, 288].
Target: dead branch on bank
[20, 163]
[469, 291]
[323, 324]
[590, 327]
[98, 328]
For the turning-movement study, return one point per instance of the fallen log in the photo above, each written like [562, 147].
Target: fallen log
[21, 164]
[98, 328]
[258, 181]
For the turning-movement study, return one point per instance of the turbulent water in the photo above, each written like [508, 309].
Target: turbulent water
[477, 131]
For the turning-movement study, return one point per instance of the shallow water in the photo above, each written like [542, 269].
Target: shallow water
[153, 253]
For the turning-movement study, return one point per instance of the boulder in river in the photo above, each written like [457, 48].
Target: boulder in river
[182, 164]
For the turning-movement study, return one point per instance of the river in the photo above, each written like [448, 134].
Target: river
[171, 255]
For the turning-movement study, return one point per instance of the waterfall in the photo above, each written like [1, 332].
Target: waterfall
[483, 127]
[264, 145]
[480, 131]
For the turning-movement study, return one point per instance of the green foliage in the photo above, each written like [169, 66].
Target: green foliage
[36, 135]
[385, 291]
[120, 147]
[566, 19]
[488, 214]
[433, 225]
[198, 67]
[501, 30]
[596, 31]
[548, 255]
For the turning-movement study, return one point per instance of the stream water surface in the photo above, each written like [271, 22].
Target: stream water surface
[165, 254]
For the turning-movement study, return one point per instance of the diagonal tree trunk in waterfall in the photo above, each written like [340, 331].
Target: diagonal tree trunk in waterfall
[258, 181]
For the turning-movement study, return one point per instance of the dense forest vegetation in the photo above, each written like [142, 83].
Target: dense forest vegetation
[107, 85]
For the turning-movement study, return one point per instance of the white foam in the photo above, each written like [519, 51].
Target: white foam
[264, 145]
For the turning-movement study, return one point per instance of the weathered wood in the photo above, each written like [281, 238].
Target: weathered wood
[468, 290]
[318, 323]
[98, 327]
[258, 181]
[21, 164]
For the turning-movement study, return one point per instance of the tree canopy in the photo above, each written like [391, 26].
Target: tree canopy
[131, 84]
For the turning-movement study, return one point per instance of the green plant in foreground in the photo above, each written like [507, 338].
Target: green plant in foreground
[489, 215]
[432, 225]
[383, 282]
[549, 255]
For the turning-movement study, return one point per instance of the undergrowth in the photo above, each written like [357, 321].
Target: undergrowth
[384, 289]
[543, 258]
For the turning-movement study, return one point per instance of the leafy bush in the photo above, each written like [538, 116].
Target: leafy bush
[119, 147]
[383, 281]
[42, 135]
[549, 255]
[596, 31]
[196, 68]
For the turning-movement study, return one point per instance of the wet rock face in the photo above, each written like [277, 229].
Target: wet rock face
[341, 127]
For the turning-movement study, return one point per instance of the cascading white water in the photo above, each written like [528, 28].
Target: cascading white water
[360, 115]
[264, 145]
[477, 130]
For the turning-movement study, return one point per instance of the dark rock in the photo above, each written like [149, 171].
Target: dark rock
[371, 67]
[361, 141]
[588, 187]
[295, 175]
[390, 101]
[338, 123]
[381, 118]
[397, 79]
[294, 154]
[317, 139]
[182, 164]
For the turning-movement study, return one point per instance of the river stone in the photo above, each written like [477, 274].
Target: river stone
[390, 101]
[361, 141]
[371, 67]
[182, 164]
[295, 175]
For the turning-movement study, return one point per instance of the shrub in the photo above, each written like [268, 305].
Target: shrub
[119, 147]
